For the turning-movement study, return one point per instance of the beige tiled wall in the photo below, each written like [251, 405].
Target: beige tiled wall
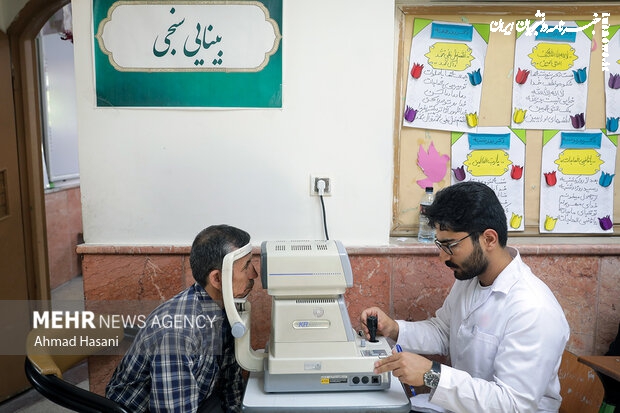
[63, 215]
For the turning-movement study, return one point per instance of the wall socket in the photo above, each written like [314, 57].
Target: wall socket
[314, 190]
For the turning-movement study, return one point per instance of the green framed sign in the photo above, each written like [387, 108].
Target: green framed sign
[154, 53]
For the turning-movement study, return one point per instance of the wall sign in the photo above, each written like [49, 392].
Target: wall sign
[188, 54]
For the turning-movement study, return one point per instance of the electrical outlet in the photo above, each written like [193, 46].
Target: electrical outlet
[314, 180]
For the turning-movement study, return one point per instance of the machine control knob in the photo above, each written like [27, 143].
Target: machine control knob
[371, 322]
[238, 330]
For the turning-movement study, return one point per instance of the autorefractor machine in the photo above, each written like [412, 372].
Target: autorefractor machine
[312, 345]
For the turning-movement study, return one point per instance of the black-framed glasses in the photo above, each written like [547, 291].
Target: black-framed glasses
[447, 248]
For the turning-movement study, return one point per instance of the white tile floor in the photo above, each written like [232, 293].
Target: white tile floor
[31, 401]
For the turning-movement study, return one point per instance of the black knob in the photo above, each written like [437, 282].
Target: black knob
[371, 322]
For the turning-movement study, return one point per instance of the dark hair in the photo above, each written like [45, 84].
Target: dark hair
[470, 207]
[211, 246]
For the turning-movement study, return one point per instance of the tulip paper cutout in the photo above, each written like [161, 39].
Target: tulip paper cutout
[410, 114]
[605, 179]
[578, 121]
[459, 173]
[516, 172]
[416, 70]
[472, 119]
[433, 164]
[605, 223]
[580, 75]
[519, 115]
[521, 76]
[612, 124]
[515, 221]
[550, 178]
[475, 78]
[550, 223]
[614, 81]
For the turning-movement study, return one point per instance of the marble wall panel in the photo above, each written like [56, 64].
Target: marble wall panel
[574, 281]
[420, 285]
[406, 286]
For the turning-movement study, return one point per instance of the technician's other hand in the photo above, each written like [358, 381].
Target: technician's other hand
[385, 325]
[409, 368]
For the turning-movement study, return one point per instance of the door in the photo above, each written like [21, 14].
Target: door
[13, 272]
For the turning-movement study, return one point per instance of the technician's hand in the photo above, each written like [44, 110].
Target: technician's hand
[409, 368]
[385, 325]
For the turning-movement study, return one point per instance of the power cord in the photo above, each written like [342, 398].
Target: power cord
[321, 187]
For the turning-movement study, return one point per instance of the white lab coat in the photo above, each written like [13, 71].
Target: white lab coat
[505, 349]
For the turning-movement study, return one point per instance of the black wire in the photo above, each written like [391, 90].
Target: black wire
[324, 218]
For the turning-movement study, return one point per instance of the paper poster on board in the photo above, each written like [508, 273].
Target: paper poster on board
[612, 82]
[494, 156]
[576, 183]
[550, 83]
[446, 71]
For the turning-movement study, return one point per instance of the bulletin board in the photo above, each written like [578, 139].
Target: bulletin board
[495, 106]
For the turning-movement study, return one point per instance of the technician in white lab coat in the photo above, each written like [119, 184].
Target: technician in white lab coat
[501, 325]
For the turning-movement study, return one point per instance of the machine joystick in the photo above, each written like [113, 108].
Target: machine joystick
[371, 322]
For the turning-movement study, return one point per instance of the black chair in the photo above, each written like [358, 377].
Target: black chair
[44, 371]
[68, 395]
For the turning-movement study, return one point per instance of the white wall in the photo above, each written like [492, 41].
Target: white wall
[158, 176]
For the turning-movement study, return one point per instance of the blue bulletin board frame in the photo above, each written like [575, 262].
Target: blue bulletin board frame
[222, 89]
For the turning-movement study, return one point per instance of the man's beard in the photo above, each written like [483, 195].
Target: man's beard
[472, 267]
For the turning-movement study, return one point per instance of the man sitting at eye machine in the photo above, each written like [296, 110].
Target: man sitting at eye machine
[190, 366]
[501, 325]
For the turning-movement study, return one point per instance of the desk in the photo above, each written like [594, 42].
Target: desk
[607, 365]
[255, 400]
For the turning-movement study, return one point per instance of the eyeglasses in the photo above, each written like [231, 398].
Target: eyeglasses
[447, 248]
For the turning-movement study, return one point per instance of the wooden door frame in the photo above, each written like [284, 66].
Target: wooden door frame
[22, 35]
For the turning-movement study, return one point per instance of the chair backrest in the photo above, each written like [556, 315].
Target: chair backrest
[44, 370]
[580, 387]
[68, 395]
